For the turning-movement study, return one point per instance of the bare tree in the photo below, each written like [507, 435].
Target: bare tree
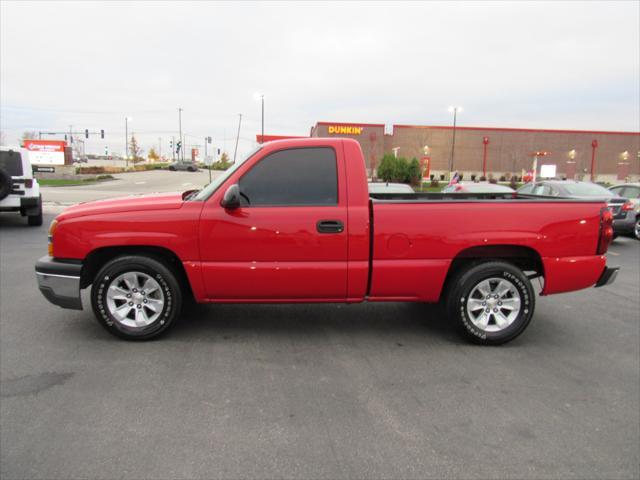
[78, 148]
[29, 135]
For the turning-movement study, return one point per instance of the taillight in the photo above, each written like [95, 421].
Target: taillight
[627, 206]
[28, 182]
[606, 231]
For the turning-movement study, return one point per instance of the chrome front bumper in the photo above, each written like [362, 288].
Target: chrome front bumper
[59, 281]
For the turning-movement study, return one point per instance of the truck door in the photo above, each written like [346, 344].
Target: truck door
[288, 240]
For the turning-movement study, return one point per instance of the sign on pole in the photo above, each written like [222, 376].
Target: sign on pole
[45, 152]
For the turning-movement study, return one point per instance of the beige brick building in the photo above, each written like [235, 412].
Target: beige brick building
[507, 151]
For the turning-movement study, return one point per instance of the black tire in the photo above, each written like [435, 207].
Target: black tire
[172, 169]
[147, 266]
[36, 220]
[466, 283]
[6, 184]
[636, 229]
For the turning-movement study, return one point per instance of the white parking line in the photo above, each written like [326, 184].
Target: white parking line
[187, 184]
[140, 183]
[613, 253]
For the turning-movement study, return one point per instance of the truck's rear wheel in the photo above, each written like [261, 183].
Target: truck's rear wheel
[491, 303]
[136, 297]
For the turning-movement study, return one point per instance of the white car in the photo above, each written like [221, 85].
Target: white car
[379, 187]
[19, 191]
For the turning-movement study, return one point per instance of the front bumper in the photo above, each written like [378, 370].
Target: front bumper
[59, 281]
[608, 276]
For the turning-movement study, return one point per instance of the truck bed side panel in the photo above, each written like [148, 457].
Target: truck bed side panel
[414, 243]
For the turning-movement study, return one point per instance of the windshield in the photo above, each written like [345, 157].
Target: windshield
[207, 191]
[587, 190]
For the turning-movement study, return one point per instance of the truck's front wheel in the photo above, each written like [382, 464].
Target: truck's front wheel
[136, 297]
[492, 302]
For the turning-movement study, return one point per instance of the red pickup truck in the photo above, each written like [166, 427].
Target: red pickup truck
[295, 222]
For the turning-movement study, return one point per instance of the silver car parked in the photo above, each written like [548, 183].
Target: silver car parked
[632, 192]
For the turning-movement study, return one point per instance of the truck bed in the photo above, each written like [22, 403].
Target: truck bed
[420, 197]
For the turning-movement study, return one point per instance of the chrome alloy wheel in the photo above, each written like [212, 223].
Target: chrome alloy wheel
[493, 304]
[636, 229]
[135, 299]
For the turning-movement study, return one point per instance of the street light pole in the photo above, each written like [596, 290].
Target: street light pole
[455, 111]
[237, 137]
[260, 96]
[182, 147]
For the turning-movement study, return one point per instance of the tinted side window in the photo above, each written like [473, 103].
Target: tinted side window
[300, 176]
[526, 188]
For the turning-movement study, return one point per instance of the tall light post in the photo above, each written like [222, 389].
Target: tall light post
[455, 111]
[235, 151]
[260, 96]
[182, 147]
[126, 139]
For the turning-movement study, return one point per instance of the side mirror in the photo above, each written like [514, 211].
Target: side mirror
[231, 199]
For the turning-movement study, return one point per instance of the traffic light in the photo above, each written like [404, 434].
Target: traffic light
[171, 144]
[178, 146]
[101, 133]
[208, 139]
[106, 150]
[86, 133]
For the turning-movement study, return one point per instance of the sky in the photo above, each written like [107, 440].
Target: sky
[573, 65]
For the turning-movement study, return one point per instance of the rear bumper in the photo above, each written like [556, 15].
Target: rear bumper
[13, 203]
[626, 224]
[59, 281]
[608, 276]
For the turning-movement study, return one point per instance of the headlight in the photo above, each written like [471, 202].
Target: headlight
[52, 229]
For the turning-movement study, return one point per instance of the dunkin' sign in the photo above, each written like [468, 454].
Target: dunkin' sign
[45, 152]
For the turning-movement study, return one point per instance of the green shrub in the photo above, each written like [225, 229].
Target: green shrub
[401, 170]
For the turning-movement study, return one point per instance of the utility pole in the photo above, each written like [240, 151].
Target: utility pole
[173, 148]
[180, 126]
[455, 111]
[237, 137]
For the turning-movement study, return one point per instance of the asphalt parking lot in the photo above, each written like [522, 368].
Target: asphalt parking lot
[317, 391]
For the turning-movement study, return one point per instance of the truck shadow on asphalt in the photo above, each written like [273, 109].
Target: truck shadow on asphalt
[395, 320]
